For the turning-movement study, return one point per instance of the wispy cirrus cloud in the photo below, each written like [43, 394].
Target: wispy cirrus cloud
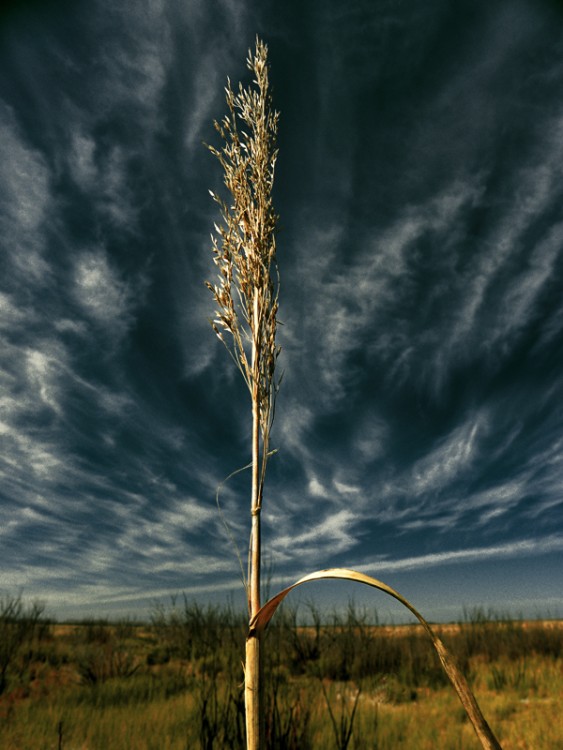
[452, 459]
[134, 60]
[321, 537]
[354, 303]
[105, 297]
[26, 201]
[102, 175]
[209, 79]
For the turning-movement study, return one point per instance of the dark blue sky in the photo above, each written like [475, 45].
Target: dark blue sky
[420, 189]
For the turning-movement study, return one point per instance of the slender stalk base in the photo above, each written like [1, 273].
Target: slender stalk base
[253, 694]
[253, 683]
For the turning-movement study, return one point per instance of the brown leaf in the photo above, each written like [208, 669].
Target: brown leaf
[260, 621]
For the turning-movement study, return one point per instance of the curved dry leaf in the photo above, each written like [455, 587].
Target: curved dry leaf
[260, 621]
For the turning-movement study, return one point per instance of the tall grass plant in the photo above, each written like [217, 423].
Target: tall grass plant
[246, 298]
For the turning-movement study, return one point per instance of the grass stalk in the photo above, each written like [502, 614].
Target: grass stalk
[247, 302]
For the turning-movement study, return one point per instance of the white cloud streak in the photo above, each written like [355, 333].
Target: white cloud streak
[450, 460]
[516, 549]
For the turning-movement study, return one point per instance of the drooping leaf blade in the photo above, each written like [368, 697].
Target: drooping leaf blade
[260, 621]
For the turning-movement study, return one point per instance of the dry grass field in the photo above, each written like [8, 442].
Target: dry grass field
[344, 682]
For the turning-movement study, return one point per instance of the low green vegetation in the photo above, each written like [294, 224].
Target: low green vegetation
[342, 682]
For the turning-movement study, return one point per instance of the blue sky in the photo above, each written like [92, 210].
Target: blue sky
[420, 186]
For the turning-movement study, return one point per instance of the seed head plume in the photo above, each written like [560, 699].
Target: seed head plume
[244, 244]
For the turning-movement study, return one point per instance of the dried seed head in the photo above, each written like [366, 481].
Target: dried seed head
[243, 246]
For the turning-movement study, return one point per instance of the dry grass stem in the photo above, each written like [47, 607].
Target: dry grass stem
[246, 295]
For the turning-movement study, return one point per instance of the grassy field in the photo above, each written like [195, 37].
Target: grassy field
[343, 683]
